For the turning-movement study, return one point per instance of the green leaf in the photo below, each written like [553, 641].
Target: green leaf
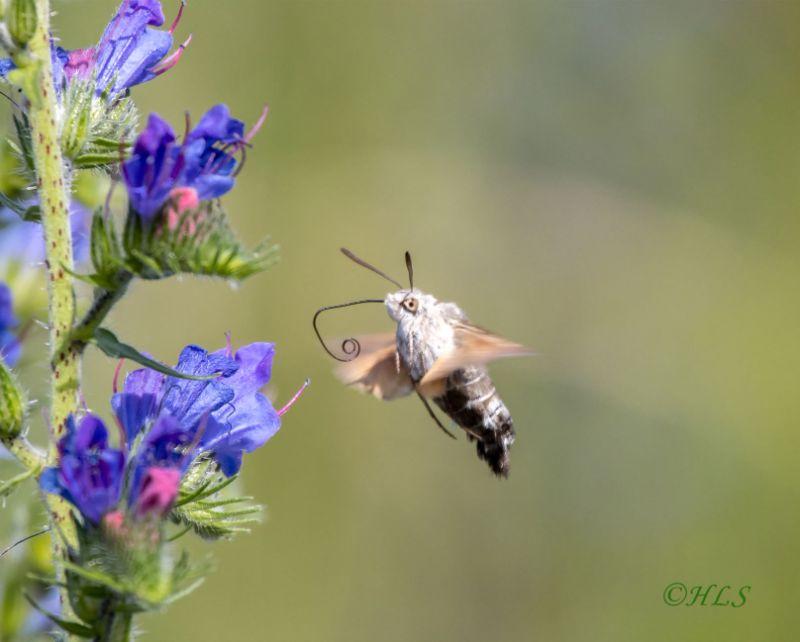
[46, 580]
[15, 206]
[32, 214]
[9, 486]
[23, 128]
[113, 347]
[96, 280]
[70, 626]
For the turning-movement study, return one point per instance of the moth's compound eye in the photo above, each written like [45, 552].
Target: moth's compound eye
[411, 304]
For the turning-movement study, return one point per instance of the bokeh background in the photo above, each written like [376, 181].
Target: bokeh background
[613, 183]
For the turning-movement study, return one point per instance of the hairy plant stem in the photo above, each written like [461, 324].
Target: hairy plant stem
[52, 188]
[117, 625]
[104, 300]
[26, 453]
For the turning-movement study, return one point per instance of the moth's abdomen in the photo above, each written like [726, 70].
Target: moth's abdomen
[470, 399]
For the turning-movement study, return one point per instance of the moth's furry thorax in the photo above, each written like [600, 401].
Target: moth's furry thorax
[424, 328]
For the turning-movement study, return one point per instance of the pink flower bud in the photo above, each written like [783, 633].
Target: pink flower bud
[181, 200]
[113, 523]
[158, 492]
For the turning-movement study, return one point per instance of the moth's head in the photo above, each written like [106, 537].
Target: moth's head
[405, 305]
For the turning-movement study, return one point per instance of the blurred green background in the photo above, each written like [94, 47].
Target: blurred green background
[613, 183]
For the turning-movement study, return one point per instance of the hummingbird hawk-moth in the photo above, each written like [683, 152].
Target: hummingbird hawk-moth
[437, 353]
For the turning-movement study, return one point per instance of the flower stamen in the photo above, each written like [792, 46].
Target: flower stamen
[170, 61]
[294, 398]
[257, 126]
[115, 381]
[177, 19]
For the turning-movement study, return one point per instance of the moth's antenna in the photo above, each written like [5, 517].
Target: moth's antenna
[363, 263]
[410, 269]
[351, 347]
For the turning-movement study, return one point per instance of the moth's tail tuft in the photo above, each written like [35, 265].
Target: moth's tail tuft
[495, 445]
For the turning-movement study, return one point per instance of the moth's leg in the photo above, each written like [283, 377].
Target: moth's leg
[397, 360]
[433, 416]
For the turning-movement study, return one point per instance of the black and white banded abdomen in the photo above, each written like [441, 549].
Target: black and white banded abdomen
[471, 400]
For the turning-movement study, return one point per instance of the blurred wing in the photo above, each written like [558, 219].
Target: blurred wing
[474, 346]
[374, 370]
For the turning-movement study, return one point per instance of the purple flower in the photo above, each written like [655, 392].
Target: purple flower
[163, 455]
[205, 161]
[6, 65]
[129, 52]
[90, 473]
[225, 416]
[9, 343]
[166, 422]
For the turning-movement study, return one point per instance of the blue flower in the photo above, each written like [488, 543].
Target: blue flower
[225, 416]
[248, 420]
[166, 423]
[22, 242]
[205, 162]
[160, 461]
[129, 52]
[90, 473]
[9, 344]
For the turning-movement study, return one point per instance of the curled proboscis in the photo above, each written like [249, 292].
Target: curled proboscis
[350, 346]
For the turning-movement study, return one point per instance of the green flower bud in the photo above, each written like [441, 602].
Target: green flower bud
[21, 19]
[12, 405]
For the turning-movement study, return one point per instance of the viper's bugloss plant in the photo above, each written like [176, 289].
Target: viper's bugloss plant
[120, 488]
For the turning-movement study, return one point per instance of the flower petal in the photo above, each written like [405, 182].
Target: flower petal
[189, 400]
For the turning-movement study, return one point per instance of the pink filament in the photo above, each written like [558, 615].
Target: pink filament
[257, 126]
[170, 61]
[115, 381]
[177, 19]
[294, 398]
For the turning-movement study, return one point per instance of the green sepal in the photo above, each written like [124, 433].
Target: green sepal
[201, 507]
[97, 130]
[95, 160]
[21, 19]
[152, 251]
[200, 242]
